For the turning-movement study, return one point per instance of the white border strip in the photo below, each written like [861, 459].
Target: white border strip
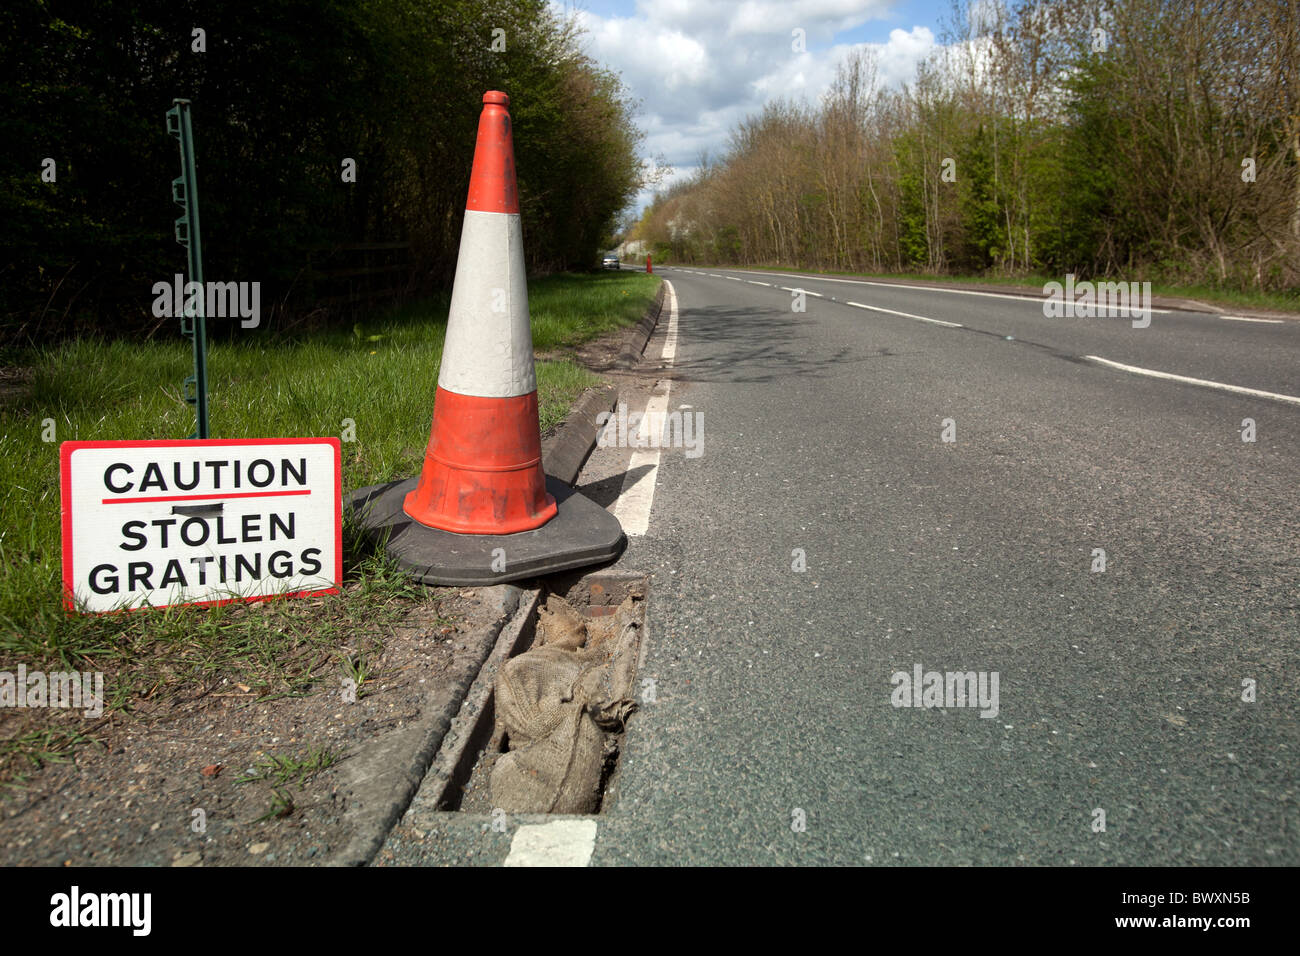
[633, 505]
[1206, 383]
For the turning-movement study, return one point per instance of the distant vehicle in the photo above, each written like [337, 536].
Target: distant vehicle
[610, 261]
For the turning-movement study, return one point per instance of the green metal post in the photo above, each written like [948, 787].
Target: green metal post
[185, 193]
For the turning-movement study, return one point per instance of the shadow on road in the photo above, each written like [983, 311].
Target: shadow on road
[757, 346]
[605, 491]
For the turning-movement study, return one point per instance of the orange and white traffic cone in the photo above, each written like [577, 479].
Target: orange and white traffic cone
[482, 510]
[483, 467]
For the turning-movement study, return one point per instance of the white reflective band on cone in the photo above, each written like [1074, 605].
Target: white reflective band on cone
[489, 352]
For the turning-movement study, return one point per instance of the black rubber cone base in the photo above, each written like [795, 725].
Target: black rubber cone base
[581, 533]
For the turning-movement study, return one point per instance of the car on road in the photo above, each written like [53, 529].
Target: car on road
[610, 261]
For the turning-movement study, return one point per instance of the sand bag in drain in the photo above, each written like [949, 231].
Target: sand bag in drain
[558, 702]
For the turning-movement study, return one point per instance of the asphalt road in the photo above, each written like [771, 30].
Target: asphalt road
[1118, 690]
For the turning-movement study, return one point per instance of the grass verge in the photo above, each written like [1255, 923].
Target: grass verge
[376, 380]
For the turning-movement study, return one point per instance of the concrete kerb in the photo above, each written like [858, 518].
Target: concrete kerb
[476, 718]
[386, 776]
[565, 452]
[640, 335]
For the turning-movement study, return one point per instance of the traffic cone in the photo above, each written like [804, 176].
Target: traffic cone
[482, 510]
[483, 467]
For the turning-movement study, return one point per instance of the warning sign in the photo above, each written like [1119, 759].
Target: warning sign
[183, 522]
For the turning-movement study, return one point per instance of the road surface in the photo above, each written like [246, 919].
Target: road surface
[774, 737]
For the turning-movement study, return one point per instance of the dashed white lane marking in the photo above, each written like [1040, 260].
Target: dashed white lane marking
[907, 315]
[932, 288]
[1242, 318]
[1205, 383]
[787, 288]
[633, 505]
[752, 282]
[558, 843]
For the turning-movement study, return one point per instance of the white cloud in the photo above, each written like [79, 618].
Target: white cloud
[672, 57]
[898, 57]
[821, 18]
[700, 66]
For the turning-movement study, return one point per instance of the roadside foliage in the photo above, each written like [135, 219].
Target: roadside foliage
[319, 126]
[1048, 137]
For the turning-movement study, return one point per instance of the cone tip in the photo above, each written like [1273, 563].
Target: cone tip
[495, 98]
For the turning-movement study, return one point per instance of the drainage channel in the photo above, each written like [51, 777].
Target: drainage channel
[456, 798]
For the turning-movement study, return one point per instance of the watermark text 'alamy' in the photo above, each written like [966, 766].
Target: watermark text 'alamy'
[1086, 300]
[651, 429]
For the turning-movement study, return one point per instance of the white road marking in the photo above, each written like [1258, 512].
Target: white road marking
[907, 315]
[1206, 383]
[932, 288]
[1242, 318]
[804, 291]
[558, 843]
[633, 505]
[752, 282]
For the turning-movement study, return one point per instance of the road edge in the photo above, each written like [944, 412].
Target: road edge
[568, 448]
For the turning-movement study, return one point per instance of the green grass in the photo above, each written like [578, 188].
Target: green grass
[1283, 301]
[286, 770]
[28, 752]
[283, 772]
[381, 374]
[282, 805]
[577, 308]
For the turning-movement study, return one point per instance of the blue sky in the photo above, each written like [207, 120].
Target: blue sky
[700, 66]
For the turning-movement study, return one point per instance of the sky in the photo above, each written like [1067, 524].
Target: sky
[698, 67]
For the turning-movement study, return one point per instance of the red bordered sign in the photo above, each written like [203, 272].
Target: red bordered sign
[160, 523]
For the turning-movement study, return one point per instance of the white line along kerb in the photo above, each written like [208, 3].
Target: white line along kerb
[633, 505]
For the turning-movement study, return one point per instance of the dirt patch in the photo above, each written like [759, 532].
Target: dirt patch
[599, 355]
[224, 775]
